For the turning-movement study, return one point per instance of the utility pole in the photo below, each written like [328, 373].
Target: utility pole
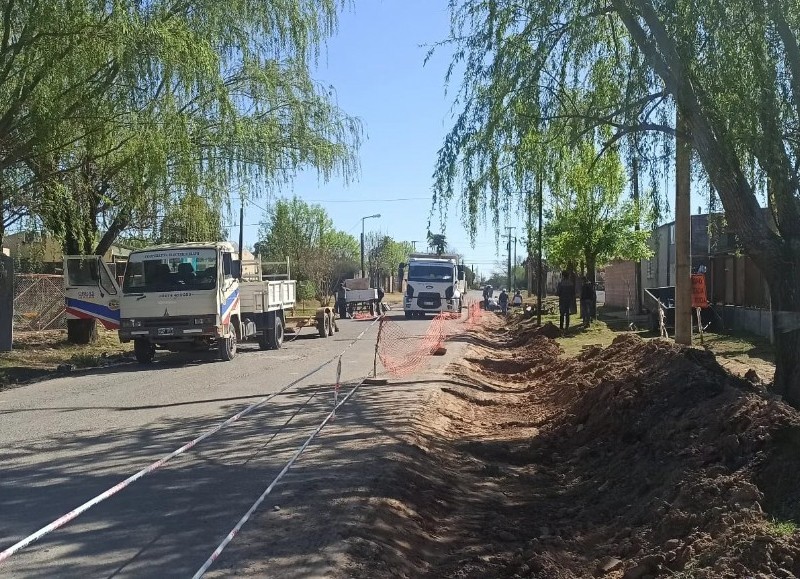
[638, 266]
[241, 234]
[508, 235]
[683, 230]
[514, 269]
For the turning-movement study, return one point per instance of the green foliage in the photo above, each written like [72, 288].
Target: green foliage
[317, 252]
[384, 255]
[306, 290]
[111, 115]
[192, 218]
[589, 222]
[780, 528]
[437, 242]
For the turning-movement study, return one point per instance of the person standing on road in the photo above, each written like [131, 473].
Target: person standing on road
[517, 301]
[566, 299]
[341, 301]
[381, 306]
[588, 297]
[503, 301]
[487, 293]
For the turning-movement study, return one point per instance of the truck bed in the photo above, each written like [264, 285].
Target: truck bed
[267, 296]
[361, 295]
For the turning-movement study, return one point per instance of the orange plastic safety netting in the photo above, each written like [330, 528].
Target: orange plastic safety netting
[402, 353]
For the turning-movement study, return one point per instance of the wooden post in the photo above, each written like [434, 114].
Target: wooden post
[6, 303]
[683, 216]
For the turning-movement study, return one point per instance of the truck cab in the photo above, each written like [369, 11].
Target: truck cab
[433, 284]
[176, 297]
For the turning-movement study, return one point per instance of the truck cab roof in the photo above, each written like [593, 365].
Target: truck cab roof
[224, 245]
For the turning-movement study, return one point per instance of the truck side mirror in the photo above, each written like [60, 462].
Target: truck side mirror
[461, 275]
[236, 269]
[400, 270]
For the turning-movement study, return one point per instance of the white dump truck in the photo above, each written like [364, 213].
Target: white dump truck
[434, 283]
[190, 296]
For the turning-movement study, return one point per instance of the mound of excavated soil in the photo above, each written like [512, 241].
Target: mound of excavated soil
[646, 460]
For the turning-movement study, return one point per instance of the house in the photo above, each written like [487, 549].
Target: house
[734, 283]
[37, 251]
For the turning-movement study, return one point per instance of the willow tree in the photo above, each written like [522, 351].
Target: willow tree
[115, 112]
[193, 218]
[732, 67]
[590, 222]
[112, 112]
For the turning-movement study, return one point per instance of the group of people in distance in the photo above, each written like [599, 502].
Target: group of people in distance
[566, 292]
[502, 299]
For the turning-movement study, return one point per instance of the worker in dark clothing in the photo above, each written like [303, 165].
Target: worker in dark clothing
[341, 301]
[381, 306]
[566, 299]
[588, 297]
[503, 301]
[487, 293]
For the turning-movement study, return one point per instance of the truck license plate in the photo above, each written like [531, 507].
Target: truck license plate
[166, 331]
[427, 303]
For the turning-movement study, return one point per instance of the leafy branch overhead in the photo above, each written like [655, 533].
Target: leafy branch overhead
[538, 72]
[110, 116]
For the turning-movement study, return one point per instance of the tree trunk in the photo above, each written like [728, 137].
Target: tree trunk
[786, 326]
[82, 331]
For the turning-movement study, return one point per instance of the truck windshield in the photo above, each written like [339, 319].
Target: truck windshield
[171, 270]
[430, 273]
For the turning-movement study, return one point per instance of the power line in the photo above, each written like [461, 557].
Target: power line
[395, 199]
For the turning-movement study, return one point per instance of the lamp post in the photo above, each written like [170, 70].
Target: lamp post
[363, 274]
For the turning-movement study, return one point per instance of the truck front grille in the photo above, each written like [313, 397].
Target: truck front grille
[429, 300]
[172, 321]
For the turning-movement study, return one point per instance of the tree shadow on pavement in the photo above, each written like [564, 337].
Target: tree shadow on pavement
[169, 522]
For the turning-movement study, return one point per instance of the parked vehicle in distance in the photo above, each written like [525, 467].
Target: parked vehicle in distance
[180, 297]
[435, 283]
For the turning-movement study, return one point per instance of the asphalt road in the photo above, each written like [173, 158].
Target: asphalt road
[64, 441]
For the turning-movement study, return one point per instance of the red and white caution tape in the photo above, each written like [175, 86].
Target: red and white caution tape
[229, 537]
[67, 517]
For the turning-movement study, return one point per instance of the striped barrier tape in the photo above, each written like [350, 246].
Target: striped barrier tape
[74, 513]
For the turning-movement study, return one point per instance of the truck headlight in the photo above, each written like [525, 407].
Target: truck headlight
[206, 321]
[131, 323]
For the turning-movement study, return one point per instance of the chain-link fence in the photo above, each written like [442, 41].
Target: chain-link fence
[38, 302]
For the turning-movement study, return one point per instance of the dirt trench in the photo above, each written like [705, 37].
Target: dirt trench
[639, 460]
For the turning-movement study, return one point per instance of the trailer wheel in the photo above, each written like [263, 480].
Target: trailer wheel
[278, 337]
[144, 351]
[334, 325]
[227, 348]
[322, 326]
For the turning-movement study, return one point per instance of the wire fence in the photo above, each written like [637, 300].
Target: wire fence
[38, 302]
[402, 353]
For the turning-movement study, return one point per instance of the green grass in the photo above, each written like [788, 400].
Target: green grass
[37, 353]
[742, 347]
[781, 528]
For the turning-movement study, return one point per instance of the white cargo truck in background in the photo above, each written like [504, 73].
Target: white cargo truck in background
[189, 296]
[434, 283]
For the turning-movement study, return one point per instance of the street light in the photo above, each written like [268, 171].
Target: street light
[363, 274]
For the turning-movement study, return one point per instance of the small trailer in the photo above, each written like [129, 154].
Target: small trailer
[362, 300]
[256, 301]
[323, 320]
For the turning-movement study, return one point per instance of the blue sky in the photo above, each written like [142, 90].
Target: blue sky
[375, 62]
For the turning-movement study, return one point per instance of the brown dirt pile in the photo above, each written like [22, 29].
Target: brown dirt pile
[647, 460]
